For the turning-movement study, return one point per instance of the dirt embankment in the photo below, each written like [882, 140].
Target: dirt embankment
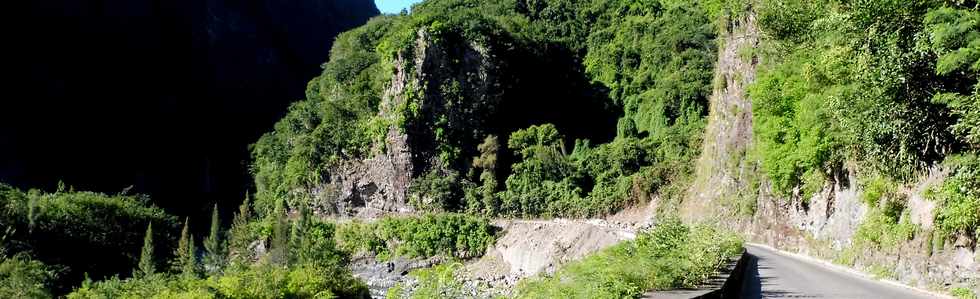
[530, 247]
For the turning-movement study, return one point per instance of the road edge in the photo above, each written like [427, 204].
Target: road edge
[840, 268]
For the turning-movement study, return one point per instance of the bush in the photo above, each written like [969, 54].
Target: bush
[260, 282]
[23, 277]
[958, 197]
[892, 85]
[437, 282]
[883, 229]
[436, 191]
[963, 293]
[793, 128]
[104, 232]
[452, 235]
[671, 255]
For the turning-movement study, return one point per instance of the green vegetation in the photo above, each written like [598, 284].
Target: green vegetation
[856, 81]
[959, 198]
[892, 86]
[493, 118]
[653, 62]
[963, 293]
[23, 277]
[260, 281]
[334, 123]
[451, 235]
[147, 264]
[302, 262]
[669, 256]
[436, 282]
[105, 232]
[589, 181]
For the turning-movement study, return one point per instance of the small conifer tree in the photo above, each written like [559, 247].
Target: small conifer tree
[214, 259]
[146, 264]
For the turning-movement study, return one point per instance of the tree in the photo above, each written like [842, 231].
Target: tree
[279, 249]
[214, 260]
[239, 235]
[146, 264]
[185, 262]
[190, 263]
[483, 199]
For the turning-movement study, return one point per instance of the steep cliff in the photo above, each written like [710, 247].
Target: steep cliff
[371, 187]
[832, 223]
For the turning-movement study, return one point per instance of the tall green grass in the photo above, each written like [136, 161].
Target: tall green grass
[671, 255]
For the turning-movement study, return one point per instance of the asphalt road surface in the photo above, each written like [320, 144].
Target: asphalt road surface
[771, 274]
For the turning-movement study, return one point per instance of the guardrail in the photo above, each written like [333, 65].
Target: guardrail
[732, 288]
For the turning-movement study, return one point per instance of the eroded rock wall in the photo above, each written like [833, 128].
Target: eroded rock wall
[730, 188]
[453, 84]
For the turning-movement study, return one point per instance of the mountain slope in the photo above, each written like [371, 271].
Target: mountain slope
[847, 207]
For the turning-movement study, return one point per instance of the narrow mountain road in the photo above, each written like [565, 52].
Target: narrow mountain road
[771, 274]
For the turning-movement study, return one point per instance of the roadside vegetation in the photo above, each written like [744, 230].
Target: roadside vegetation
[886, 90]
[444, 234]
[889, 87]
[280, 255]
[669, 256]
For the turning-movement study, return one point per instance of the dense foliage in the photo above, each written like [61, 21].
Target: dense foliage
[121, 236]
[105, 232]
[260, 281]
[649, 65]
[23, 277]
[302, 261]
[959, 198]
[334, 123]
[450, 235]
[671, 255]
[892, 85]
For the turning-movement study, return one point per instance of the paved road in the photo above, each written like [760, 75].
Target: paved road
[770, 274]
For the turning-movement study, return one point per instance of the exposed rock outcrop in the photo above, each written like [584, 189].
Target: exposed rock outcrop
[723, 167]
[434, 76]
[730, 188]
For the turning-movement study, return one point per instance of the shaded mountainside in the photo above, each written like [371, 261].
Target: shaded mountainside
[162, 96]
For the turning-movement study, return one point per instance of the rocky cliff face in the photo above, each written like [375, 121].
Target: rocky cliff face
[723, 168]
[454, 86]
[729, 187]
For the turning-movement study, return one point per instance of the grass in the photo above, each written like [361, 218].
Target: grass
[963, 293]
[671, 255]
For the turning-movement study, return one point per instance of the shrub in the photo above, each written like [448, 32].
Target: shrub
[958, 197]
[671, 255]
[436, 191]
[105, 232]
[963, 293]
[436, 282]
[23, 277]
[453, 235]
[260, 282]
